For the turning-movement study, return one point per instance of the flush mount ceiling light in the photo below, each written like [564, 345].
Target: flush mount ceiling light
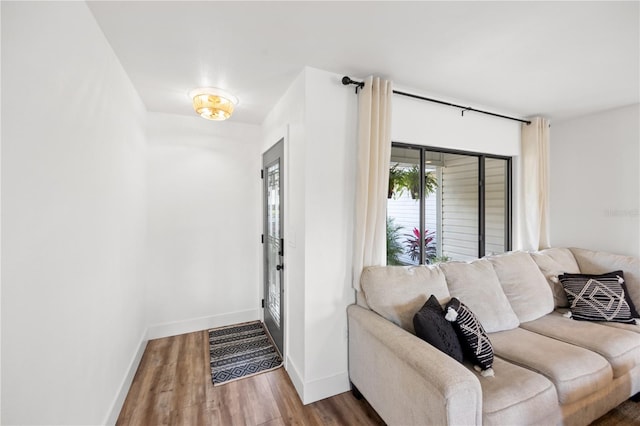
[213, 103]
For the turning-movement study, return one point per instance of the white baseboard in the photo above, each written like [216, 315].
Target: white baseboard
[196, 324]
[116, 406]
[171, 329]
[316, 390]
[296, 378]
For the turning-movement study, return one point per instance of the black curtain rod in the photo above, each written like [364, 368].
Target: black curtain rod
[360, 84]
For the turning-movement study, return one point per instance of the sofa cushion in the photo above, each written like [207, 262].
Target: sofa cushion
[576, 372]
[596, 262]
[598, 297]
[553, 262]
[517, 395]
[476, 285]
[431, 327]
[621, 326]
[398, 292]
[524, 285]
[620, 347]
[472, 336]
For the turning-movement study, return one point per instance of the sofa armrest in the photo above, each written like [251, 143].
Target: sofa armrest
[406, 380]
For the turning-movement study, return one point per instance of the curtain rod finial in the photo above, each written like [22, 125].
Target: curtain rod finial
[346, 80]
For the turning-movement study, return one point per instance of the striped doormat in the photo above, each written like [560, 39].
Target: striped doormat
[241, 350]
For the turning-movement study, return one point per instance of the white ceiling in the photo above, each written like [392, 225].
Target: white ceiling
[558, 59]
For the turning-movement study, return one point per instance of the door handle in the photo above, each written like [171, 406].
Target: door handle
[279, 267]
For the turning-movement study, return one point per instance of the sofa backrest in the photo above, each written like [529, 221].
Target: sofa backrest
[523, 284]
[477, 286]
[598, 262]
[553, 262]
[398, 292]
[502, 290]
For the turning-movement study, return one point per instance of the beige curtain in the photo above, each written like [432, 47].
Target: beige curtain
[535, 185]
[373, 156]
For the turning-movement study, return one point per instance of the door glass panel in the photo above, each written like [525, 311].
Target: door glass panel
[273, 242]
[496, 196]
[403, 208]
[432, 193]
[459, 207]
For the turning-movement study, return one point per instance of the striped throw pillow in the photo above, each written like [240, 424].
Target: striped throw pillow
[473, 338]
[598, 297]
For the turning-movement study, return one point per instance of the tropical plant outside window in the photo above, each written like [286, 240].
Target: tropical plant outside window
[459, 210]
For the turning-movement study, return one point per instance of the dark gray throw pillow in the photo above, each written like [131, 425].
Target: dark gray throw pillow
[601, 297]
[474, 339]
[431, 327]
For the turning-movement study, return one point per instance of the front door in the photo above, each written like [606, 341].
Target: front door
[273, 178]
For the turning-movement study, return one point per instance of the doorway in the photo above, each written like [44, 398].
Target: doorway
[273, 242]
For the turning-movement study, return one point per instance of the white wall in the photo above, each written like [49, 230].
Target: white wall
[204, 210]
[73, 219]
[424, 123]
[331, 117]
[316, 116]
[595, 181]
[286, 120]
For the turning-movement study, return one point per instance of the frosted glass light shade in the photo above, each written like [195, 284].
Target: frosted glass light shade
[213, 103]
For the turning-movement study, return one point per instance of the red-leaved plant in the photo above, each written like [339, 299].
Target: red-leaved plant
[413, 245]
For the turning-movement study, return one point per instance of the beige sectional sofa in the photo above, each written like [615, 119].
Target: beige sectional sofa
[549, 369]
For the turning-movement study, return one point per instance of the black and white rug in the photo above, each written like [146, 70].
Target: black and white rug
[239, 351]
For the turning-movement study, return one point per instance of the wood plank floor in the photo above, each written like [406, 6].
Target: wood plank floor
[173, 386]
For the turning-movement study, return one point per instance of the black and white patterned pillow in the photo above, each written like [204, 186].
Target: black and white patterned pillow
[431, 327]
[598, 297]
[472, 336]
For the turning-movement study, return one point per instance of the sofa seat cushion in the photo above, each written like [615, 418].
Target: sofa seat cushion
[516, 394]
[476, 285]
[576, 372]
[398, 292]
[622, 326]
[524, 285]
[553, 262]
[620, 347]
